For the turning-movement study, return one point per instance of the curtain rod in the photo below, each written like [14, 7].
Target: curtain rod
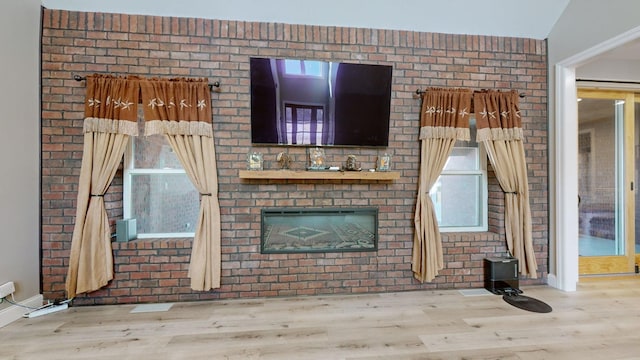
[216, 84]
[609, 81]
[420, 92]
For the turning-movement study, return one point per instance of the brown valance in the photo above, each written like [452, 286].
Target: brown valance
[111, 104]
[498, 115]
[445, 113]
[177, 106]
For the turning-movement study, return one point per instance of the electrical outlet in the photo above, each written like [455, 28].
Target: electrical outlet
[7, 289]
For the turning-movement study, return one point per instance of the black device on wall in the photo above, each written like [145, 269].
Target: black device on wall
[318, 103]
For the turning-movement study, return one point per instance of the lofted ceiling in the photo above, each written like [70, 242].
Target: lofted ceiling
[513, 18]
[533, 19]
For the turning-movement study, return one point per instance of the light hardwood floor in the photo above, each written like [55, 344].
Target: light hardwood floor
[599, 321]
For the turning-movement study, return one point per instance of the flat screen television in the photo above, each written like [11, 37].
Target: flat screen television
[318, 103]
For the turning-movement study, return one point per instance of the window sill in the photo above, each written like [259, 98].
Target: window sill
[153, 243]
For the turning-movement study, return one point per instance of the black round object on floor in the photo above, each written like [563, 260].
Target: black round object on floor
[527, 303]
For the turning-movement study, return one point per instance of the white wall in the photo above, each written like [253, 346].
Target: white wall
[20, 147]
[612, 70]
[587, 23]
[585, 29]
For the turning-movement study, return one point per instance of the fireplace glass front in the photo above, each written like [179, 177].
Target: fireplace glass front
[291, 230]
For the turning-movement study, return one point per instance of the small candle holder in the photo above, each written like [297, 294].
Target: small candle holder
[284, 160]
[317, 159]
[352, 163]
[255, 161]
[383, 163]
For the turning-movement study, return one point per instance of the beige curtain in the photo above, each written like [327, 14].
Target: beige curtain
[444, 118]
[500, 130]
[181, 110]
[110, 118]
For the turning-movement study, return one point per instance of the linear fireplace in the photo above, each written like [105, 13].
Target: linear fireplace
[291, 230]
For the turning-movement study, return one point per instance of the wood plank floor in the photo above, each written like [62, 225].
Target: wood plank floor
[599, 321]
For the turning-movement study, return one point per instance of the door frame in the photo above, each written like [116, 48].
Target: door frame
[563, 246]
[617, 264]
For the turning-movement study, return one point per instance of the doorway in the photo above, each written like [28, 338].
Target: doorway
[563, 250]
[607, 153]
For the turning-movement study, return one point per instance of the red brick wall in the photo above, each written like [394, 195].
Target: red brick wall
[156, 270]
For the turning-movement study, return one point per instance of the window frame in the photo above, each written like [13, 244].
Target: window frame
[127, 177]
[318, 136]
[483, 196]
[303, 69]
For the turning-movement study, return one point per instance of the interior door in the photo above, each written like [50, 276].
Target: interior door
[606, 164]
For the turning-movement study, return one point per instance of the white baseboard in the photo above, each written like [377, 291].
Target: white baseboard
[14, 312]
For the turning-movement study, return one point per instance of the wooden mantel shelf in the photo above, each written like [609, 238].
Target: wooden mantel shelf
[319, 175]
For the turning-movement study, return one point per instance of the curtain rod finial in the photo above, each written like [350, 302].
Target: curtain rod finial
[214, 86]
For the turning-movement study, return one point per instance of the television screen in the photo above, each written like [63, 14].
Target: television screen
[317, 103]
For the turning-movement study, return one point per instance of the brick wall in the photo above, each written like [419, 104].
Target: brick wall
[156, 270]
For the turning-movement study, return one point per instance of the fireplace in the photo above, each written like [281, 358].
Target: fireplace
[297, 230]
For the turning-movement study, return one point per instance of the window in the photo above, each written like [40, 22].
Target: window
[157, 191]
[460, 193]
[307, 68]
[304, 124]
